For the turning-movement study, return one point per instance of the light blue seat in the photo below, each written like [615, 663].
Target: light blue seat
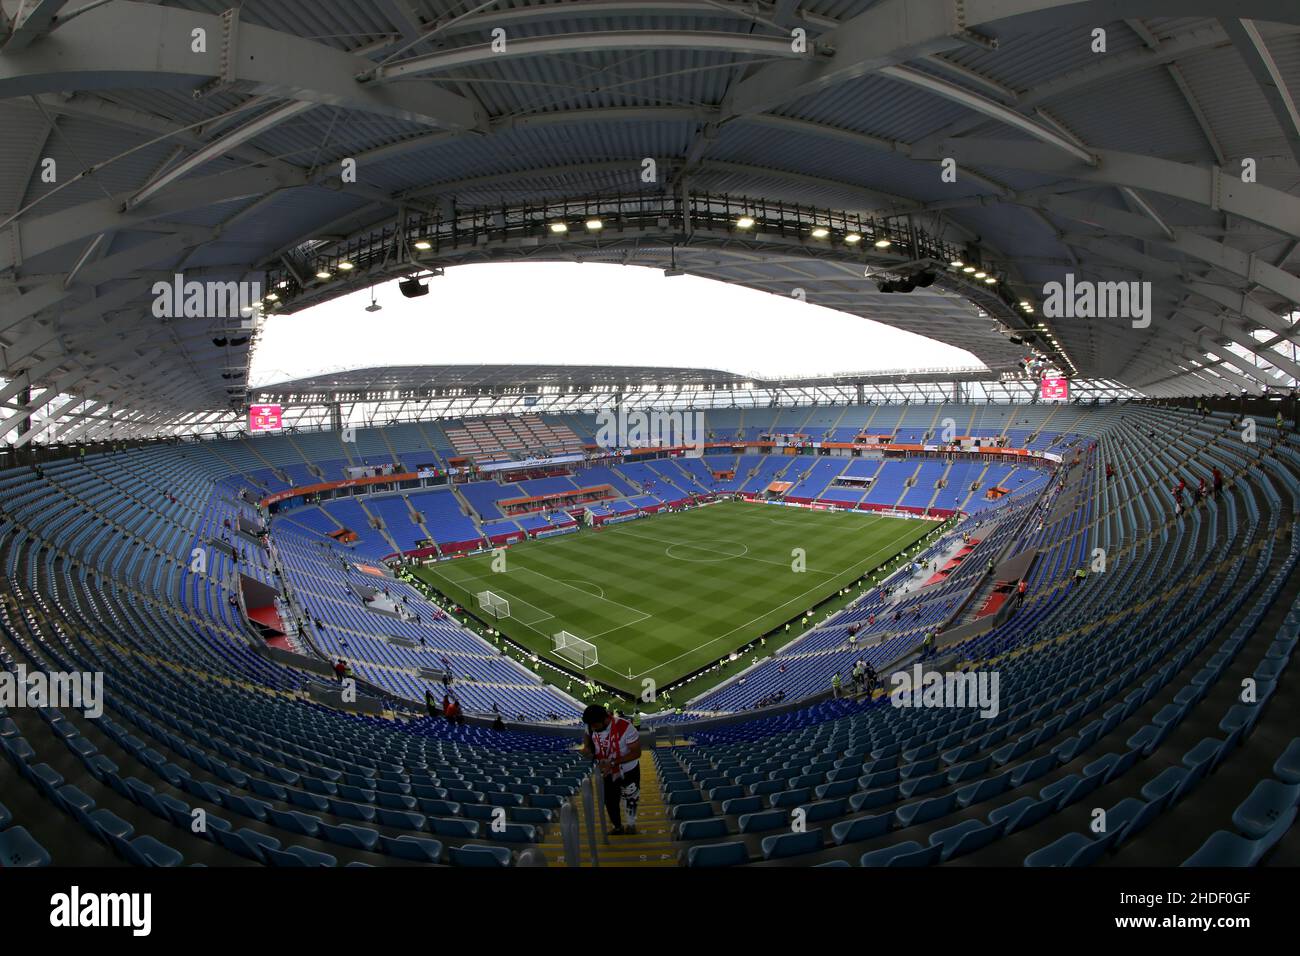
[1287, 766]
[146, 851]
[764, 820]
[1163, 787]
[478, 855]
[350, 835]
[1229, 849]
[873, 798]
[986, 789]
[107, 824]
[1267, 803]
[906, 854]
[514, 833]
[1022, 813]
[709, 829]
[784, 845]
[454, 826]
[698, 811]
[1129, 816]
[245, 842]
[717, 854]
[965, 837]
[295, 822]
[1072, 850]
[925, 810]
[862, 828]
[825, 810]
[410, 847]
[299, 856]
[18, 848]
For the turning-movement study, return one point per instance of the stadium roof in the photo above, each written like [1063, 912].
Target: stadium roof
[132, 152]
[496, 379]
[395, 382]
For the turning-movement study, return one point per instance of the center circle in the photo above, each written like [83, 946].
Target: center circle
[712, 554]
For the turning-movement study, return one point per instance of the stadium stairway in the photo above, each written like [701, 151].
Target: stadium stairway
[651, 845]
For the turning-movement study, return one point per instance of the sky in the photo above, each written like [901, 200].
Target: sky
[586, 314]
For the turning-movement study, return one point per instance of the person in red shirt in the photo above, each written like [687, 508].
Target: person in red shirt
[615, 745]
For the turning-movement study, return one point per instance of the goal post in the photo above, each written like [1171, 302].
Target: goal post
[493, 604]
[574, 649]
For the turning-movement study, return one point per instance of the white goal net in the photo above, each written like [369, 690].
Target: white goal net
[574, 649]
[493, 604]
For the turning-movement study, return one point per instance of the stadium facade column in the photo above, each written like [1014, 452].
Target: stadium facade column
[862, 393]
[336, 416]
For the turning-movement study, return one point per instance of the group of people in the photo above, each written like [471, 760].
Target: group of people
[864, 676]
[450, 709]
[776, 697]
[1202, 490]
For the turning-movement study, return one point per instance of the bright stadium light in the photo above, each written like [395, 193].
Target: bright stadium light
[853, 238]
[594, 225]
[956, 263]
[820, 232]
[423, 244]
[745, 222]
[346, 266]
[981, 274]
[883, 243]
[558, 227]
[990, 280]
[323, 274]
[968, 269]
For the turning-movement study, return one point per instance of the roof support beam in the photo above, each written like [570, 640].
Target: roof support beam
[125, 45]
[88, 219]
[741, 44]
[989, 108]
[115, 266]
[1250, 44]
[1209, 187]
[895, 31]
[35, 23]
[217, 148]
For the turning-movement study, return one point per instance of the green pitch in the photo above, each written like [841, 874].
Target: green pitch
[663, 596]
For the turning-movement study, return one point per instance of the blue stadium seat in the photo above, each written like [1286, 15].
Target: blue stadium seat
[18, 848]
[717, 854]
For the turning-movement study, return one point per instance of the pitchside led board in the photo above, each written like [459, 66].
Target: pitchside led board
[1055, 389]
[263, 418]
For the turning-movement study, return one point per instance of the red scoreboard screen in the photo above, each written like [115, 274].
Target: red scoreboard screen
[264, 418]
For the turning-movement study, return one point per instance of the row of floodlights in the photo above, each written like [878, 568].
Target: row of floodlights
[595, 224]
[559, 227]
